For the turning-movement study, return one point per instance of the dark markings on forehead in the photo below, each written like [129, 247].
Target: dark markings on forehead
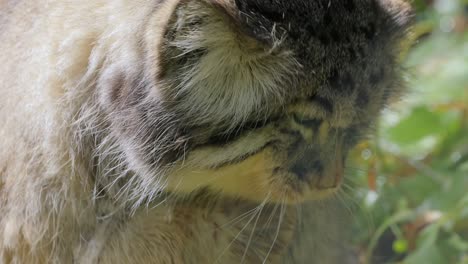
[327, 19]
[335, 35]
[310, 29]
[313, 123]
[377, 75]
[352, 55]
[368, 30]
[267, 10]
[349, 5]
[323, 102]
[334, 78]
[362, 99]
[361, 51]
[341, 81]
[324, 39]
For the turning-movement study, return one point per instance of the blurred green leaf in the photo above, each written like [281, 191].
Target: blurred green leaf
[419, 124]
[457, 242]
[421, 152]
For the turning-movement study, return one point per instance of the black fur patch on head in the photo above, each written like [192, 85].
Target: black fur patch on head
[362, 99]
[323, 102]
[376, 76]
[341, 81]
[330, 35]
[349, 5]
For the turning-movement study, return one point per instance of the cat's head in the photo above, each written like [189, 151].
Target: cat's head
[257, 99]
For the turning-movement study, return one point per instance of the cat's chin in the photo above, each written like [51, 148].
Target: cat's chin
[258, 178]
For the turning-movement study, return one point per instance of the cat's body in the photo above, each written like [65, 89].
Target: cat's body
[194, 131]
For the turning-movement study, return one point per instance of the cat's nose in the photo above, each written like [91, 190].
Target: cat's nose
[314, 173]
[316, 170]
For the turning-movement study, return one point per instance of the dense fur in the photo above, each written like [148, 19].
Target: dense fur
[194, 131]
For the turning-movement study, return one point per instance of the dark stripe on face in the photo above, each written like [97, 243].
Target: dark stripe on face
[310, 123]
[362, 99]
[226, 137]
[322, 102]
[245, 156]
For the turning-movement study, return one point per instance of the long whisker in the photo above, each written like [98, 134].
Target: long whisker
[270, 218]
[254, 213]
[239, 218]
[253, 229]
[299, 208]
[349, 198]
[280, 220]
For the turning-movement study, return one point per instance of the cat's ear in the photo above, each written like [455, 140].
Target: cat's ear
[401, 12]
[112, 86]
[119, 88]
[401, 16]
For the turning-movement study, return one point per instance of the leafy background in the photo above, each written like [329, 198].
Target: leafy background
[412, 199]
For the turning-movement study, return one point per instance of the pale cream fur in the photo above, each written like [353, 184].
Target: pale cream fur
[51, 53]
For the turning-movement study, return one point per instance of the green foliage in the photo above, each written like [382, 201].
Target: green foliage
[414, 199]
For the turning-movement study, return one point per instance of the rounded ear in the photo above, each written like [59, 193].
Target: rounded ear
[401, 11]
[119, 88]
[402, 15]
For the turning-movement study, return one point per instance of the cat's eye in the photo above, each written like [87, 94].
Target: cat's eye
[322, 102]
[313, 123]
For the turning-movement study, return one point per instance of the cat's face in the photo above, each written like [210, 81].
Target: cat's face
[257, 99]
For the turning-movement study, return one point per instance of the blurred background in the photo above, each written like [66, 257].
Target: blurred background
[411, 204]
